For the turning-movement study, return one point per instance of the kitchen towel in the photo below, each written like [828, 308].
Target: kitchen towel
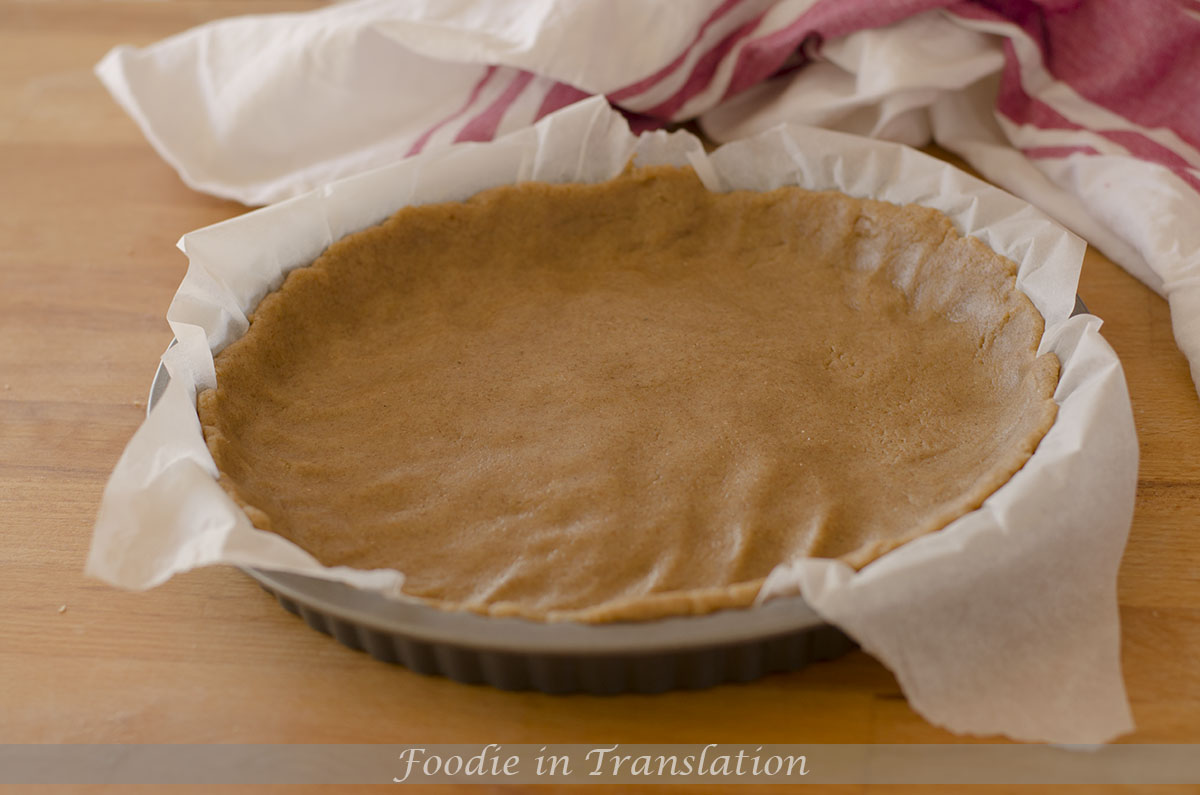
[1089, 109]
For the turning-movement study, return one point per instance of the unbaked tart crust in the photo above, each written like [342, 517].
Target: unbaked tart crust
[631, 399]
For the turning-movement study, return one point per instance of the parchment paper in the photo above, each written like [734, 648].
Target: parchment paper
[1005, 622]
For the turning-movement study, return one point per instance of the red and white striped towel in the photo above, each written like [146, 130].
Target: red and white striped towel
[1089, 109]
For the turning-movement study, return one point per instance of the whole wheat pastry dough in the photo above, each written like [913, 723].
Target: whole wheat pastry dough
[630, 399]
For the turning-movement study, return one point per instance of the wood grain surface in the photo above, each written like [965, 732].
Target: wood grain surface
[89, 216]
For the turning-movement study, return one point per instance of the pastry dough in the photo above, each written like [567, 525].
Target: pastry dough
[631, 399]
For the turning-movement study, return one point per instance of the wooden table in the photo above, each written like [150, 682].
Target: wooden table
[89, 216]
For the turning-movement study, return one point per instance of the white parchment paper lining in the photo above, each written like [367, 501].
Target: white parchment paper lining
[1005, 622]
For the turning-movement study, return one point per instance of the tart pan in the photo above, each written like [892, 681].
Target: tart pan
[687, 652]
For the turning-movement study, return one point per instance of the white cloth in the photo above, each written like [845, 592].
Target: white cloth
[262, 108]
[1005, 621]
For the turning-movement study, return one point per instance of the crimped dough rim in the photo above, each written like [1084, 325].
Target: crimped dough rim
[1012, 316]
